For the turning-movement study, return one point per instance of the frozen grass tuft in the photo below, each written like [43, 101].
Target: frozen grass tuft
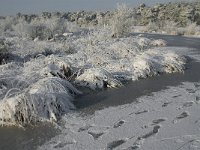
[154, 62]
[159, 42]
[97, 78]
[46, 100]
[30, 95]
[128, 58]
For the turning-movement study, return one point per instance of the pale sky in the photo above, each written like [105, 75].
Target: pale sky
[11, 7]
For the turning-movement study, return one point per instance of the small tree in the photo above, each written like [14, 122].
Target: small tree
[121, 21]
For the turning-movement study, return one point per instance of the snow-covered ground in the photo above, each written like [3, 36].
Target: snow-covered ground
[166, 120]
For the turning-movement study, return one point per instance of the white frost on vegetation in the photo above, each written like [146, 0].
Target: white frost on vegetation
[36, 91]
[97, 78]
[129, 58]
[36, 84]
[154, 62]
[159, 42]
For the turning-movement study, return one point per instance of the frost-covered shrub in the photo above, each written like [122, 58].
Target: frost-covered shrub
[103, 19]
[97, 78]
[192, 29]
[45, 100]
[189, 29]
[54, 25]
[68, 48]
[121, 21]
[3, 46]
[97, 35]
[35, 92]
[40, 31]
[6, 24]
[57, 25]
[170, 27]
[22, 28]
[197, 18]
[32, 30]
[152, 27]
[153, 62]
[43, 28]
[127, 58]
[3, 50]
[70, 26]
[159, 42]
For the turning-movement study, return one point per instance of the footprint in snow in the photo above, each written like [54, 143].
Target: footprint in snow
[176, 96]
[141, 112]
[63, 144]
[141, 139]
[166, 104]
[95, 134]
[84, 128]
[181, 116]
[197, 98]
[188, 104]
[132, 147]
[137, 144]
[115, 144]
[119, 124]
[151, 133]
[157, 121]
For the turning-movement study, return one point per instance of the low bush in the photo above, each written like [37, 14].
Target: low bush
[43, 28]
[121, 21]
[6, 24]
[3, 50]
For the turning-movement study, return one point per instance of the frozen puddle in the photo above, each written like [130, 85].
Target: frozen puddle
[168, 119]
